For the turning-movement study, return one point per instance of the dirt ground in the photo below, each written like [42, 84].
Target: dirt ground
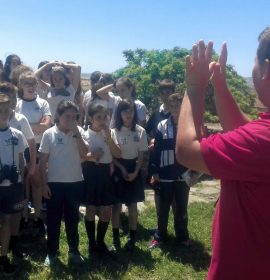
[204, 191]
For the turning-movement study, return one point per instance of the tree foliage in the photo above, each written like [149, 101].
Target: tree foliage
[147, 67]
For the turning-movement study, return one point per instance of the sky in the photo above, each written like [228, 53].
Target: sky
[94, 33]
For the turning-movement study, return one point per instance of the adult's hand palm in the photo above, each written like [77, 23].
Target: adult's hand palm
[197, 65]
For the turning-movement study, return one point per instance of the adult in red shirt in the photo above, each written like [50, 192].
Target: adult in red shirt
[239, 157]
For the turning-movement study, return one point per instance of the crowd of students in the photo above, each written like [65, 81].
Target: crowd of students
[74, 148]
[44, 149]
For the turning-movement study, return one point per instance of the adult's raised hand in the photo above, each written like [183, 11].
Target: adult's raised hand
[197, 65]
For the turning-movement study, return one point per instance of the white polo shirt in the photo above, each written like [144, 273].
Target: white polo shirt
[140, 107]
[20, 122]
[97, 140]
[34, 110]
[64, 163]
[54, 100]
[130, 142]
[7, 136]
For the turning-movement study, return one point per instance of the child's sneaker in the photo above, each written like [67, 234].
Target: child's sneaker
[187, 243]
[51, 261]
[154, 243]
[116, 247]
[102, 248]
[75, 258]
[130, 245]
[8, 268]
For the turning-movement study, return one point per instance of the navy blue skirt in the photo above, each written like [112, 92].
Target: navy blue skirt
[98, 184]
[124, 191]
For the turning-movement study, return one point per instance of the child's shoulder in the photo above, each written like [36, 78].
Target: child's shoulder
[164, 123]
[139, 128]
[16, 133]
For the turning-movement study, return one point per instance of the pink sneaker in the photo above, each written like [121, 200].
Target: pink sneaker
[153, 244]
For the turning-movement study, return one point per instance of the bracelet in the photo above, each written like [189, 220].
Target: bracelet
[77, 135]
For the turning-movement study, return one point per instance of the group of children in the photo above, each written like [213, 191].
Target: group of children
[41, 128]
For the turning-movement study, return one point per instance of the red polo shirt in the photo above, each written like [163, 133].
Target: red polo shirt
[241, 226]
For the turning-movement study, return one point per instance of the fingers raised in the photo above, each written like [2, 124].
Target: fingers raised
[209, 51]
[223, 57]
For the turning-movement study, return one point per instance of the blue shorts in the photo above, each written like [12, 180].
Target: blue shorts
[12, 199]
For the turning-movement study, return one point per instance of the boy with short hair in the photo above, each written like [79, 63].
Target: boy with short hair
[12, 146]
[167, 173]
[20, 122]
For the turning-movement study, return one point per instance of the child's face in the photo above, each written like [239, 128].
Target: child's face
[29, 87]
[127, 116]
[5, 112]
[13, 100]
[123, 91]
[46, 75]
[164, 95]
[68, 120]
[98, 121]
[174, 108]
[58, 80]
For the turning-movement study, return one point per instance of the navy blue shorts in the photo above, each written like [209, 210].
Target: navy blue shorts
[12, 199]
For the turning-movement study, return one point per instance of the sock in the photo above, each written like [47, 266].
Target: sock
[90, 229]
[13, 242]
[101, 231]
[116, 236]
[132, 235]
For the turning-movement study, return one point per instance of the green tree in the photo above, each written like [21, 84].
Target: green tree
[147, 67]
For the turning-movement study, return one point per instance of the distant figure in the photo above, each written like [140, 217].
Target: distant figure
[12, 61]
[239, 157]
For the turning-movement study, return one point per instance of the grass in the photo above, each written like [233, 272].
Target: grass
[170, 262]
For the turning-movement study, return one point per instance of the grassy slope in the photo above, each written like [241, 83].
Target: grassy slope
[170, 262]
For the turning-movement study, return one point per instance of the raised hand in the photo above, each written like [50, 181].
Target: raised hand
[218, 69]
[197, 65]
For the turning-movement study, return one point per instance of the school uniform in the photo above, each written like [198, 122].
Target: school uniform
[56, 95]
[131, 143]
[12, 143]
[171, 185]
[20, 122]
[34, 110]
[65, 180]
[97, 175]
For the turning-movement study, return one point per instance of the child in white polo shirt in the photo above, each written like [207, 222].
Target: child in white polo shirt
[97, 175]
[12, 146]
[19, 122]
[127, 181]
[62, 149]
[38, 114]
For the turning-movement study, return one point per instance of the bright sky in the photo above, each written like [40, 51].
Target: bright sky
[94, 33]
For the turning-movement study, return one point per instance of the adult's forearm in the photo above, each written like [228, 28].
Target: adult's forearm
[230, 114]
